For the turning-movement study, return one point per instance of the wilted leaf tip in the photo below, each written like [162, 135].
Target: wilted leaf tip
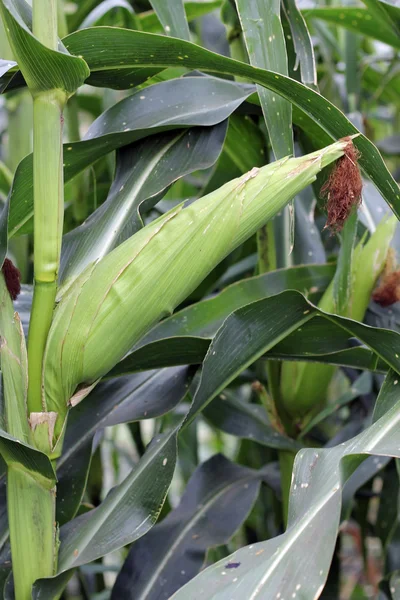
[343, 187]
[12, 278]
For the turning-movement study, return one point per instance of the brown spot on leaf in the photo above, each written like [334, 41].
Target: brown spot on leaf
[343, 188]
[12, 278]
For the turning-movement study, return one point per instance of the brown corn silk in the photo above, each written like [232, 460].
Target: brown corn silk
[12, 278]
[388, 290]
[343, 188]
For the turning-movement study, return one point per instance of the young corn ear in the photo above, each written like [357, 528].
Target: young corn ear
[304, 386]
[114, 302]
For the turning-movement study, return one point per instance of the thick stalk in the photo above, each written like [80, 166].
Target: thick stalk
[31, 515]
[48, 204]
[31, 498]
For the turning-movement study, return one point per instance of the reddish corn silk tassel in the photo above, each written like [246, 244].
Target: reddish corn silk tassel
[388, 290]
[12, 278]
[343, 188]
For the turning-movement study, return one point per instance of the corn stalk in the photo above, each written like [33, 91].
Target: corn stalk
[32, 529]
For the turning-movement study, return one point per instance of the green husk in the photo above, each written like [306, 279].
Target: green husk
[114, 302]
[304, 386]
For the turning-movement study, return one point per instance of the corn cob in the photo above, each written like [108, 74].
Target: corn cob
[112, 304]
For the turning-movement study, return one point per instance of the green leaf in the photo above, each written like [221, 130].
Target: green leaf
[142, 396]
[100, 13]
[246, 420]
[265, 43]
[308, 247]
[193, 9]
[144, 172]
[342, 282]
[127, 513]
[43, 68]
[244, 143]
[243, 332]
[137, 49]
[172, 16]
[202, 101]
[385, 12]
[3, 231]
[23, 456]
[280, 565]
[217, 500]
[8, 71]
[362, 385]
[302, 43]
[23, 304]
[359, 20]
[48, 589]
[5, 180]
[184, 338]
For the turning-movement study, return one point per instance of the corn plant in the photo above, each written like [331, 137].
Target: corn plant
[198, 331]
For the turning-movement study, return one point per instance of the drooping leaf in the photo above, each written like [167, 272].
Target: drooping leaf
[43, 68]
[217, 499]
[144, 171]
[357, 19]
[138, 49]
[141, 114]
[127, 513]
[280, 566]
[142, 396]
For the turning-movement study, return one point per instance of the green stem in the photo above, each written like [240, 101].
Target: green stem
[41, 316]
[31, 517]
[31, 497]
[48, 204]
